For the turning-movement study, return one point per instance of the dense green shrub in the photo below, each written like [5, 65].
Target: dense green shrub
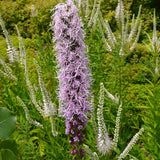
[19, 12]
[135, 72]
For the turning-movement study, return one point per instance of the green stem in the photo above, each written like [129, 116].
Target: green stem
[120, 77]
[49, 135]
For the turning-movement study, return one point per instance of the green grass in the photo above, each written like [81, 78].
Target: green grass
[34, 143]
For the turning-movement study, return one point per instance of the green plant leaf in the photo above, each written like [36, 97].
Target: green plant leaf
[7, 123]
[6, 154]
[9, 144]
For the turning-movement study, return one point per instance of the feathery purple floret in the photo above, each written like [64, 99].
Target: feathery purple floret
[73, 75]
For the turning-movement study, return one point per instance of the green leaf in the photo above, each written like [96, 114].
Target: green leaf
[41, 149]
[7, 123]
[150, 82]
[150, 92]
[142, 107]
[9, 144]
[7, 154]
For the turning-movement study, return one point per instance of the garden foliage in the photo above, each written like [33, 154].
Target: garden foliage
[107, 92]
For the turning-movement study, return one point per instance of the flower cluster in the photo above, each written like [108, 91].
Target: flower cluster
[73, 75]
[131, 144]
[104, 143]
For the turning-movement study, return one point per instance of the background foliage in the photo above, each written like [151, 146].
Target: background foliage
[37, 144]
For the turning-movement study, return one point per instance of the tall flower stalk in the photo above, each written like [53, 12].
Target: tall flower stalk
[104, 142]
[73, 75]
[152, 113]
[126, 39]
[11, 51]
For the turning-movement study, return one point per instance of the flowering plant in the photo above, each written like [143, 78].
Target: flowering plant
[73, 75]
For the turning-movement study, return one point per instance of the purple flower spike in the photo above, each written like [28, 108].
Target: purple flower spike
[83, 135]
[75, 122]
[73, 74]
[82, 150]
[80, 127]
[76, 139]
[75, 151]
[72, 131]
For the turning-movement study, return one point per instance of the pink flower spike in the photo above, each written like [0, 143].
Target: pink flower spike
[80, 127]
[73, 71]
[76, 139]
[72, 131]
